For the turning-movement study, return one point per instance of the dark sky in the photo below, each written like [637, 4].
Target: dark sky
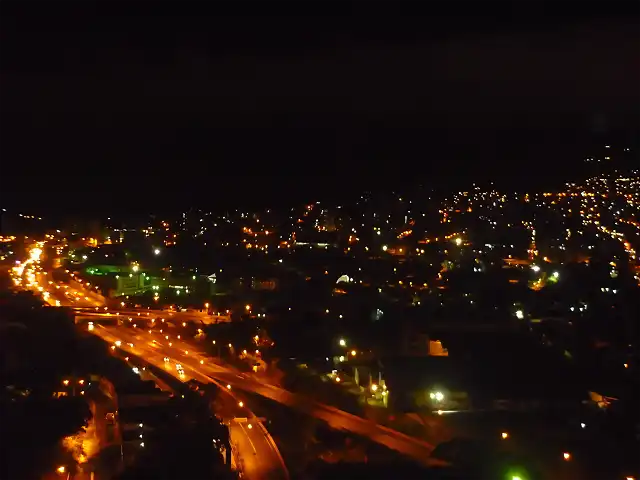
[235, 101]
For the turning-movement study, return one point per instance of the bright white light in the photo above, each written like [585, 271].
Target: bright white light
[437, 396]
[535, 268]
[156, 251]
[519, 314]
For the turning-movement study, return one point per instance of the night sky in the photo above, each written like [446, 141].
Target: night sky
[236, 102]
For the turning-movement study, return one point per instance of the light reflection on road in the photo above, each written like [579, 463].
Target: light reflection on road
[334, 417]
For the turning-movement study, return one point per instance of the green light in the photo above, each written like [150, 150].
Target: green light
[515, 475]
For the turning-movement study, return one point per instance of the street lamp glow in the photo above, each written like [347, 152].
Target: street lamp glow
[437, 396]
[458, 241]
[342, 342]
[519, 314]
[135, 268]
[535, 268]
[384, 248]
[156, 251]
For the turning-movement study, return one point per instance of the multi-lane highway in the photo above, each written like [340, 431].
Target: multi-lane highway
[171, 316]
[156, 346]
[258, 455]
[32, 277]
[255, 452]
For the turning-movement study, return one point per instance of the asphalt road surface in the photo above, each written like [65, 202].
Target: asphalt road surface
[258, 455]
[155, 346]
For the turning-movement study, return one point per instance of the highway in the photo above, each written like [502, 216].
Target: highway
[54, 293]
[171, 317]
[154, 346]
[255, 451]
[258, 455]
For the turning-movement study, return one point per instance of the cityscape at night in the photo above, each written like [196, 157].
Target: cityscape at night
[400, 324]
[468, 308]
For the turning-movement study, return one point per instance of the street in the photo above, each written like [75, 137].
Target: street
[258, 455]
[154, 347]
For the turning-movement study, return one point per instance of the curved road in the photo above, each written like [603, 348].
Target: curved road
[156, 345]
[259, 456]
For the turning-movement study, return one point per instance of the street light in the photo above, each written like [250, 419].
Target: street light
[156, 251]
[437, 396]
[342, 342]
